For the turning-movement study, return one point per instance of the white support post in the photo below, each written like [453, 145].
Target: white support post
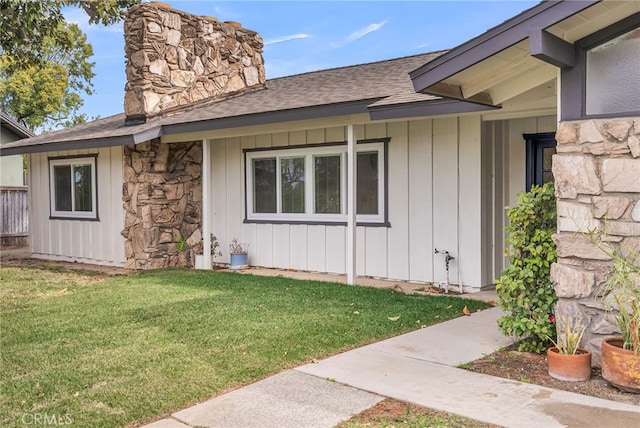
[351, 205]
[207, 205]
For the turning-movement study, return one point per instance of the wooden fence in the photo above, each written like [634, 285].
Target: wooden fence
[14, 219]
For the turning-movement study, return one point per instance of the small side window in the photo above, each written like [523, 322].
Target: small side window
[604, 82]
[613, 75]
[73, 188]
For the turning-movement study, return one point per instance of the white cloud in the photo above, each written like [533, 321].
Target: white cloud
[286, 38]
[359, 34]
[368, 29]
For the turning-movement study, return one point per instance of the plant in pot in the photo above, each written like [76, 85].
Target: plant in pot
[239, 254]
[621, 355]
[566, 360]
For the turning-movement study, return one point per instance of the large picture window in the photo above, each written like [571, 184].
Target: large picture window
[73, 187]
[309, 184]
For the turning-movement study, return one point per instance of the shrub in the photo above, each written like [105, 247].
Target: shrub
[525, 291]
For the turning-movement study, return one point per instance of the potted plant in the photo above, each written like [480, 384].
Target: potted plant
[566, 360]
[239, 254]
[621, 355]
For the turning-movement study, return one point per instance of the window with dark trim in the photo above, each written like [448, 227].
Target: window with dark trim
[308, 184]
[604, 81]
[73, 190]
[540, 149]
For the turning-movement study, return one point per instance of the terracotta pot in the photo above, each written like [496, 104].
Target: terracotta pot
[620, 367]
[572, 368]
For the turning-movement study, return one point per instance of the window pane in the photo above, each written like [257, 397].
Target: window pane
[613, 80]
[264, 185]
[367, 183]
[327, 184]
[292, 181]
[82, 187]
[62, 178]
[547, 156]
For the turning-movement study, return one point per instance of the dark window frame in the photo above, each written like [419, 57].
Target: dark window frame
[535, 143]
[574, 79]
[94, 214]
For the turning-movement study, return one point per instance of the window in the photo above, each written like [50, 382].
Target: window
[613, 76]
[604, 81]
[309, 184]
[73, 187]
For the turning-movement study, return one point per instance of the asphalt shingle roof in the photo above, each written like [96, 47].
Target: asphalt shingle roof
[383, 83]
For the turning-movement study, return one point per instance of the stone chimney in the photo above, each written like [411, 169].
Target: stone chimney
[177, 59]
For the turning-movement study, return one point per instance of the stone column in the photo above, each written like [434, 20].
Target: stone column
[597, 179]
[162, 195]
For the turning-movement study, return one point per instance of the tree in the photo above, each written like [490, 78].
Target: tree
[49, 92]
[44, 61]
[26, 24]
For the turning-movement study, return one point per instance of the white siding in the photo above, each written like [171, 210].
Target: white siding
[97, 242]
[434, 201]
[11, 172]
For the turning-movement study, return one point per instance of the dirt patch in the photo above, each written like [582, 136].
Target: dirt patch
[391, 413]
[20, 257]
[532, 368]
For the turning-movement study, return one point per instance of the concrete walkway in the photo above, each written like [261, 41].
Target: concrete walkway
[417, 367]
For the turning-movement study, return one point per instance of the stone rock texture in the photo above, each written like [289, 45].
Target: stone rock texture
[177, 59]
[597, 175]
[162, 198]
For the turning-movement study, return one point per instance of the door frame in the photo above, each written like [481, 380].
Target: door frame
[536, 143]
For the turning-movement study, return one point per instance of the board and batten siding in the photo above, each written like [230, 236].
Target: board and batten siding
[434, 201]
[90, 241]
[504, 175]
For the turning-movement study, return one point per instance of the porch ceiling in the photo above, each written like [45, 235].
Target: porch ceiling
[509, 72]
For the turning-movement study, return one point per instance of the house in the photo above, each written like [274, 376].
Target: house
[11, 167]
[363, 170]
[14, 214]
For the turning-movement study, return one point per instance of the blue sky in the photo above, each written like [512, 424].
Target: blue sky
[303, 36]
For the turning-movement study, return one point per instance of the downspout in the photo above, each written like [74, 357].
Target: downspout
[351, 205]
[207, 204]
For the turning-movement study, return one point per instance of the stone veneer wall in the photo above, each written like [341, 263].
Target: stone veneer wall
[175, 58]
[162, 195]
[597, 176]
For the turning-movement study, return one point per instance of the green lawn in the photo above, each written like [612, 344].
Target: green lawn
[111, 351]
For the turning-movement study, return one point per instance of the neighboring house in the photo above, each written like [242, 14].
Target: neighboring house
[11, 167]
[445, 140]
[14, 213]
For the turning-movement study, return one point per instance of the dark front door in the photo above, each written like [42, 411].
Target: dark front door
[540, 149]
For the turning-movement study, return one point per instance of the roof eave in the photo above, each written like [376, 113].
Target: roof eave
[426, 108]
[426, 78]
[15, 127]
[267, 118]
[93, 143]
